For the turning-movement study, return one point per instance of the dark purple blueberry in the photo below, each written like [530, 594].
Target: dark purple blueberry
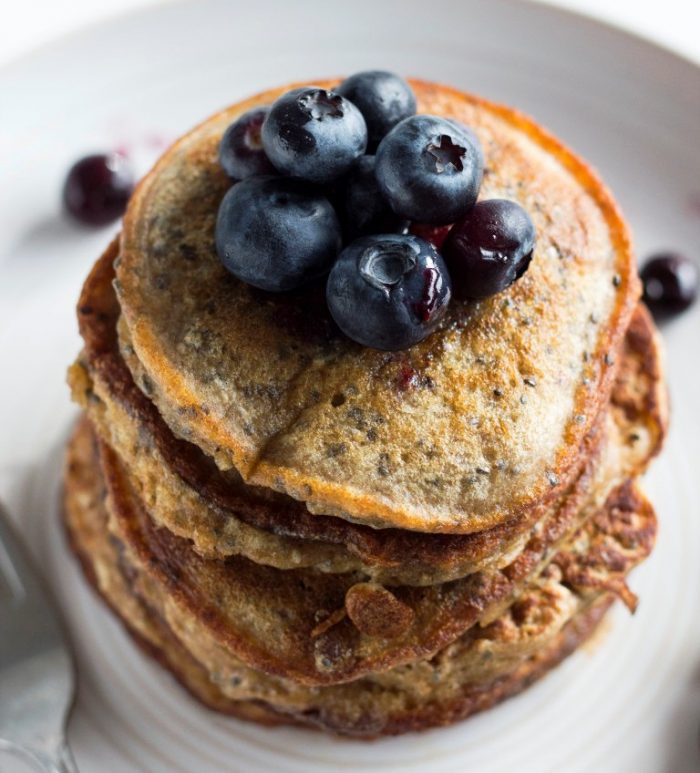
[429, 169]
[314, 134]
[435, 234]
[362, 207]
[241, 152]
[97, 189]
[276, 233]
[383, 98]
[670, 283]
[490, 248]
[388, 291]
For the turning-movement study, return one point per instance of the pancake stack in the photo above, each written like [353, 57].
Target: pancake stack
[306, 531]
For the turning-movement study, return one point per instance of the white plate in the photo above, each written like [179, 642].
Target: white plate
[632, 701]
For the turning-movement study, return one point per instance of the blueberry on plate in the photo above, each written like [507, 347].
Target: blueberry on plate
[276, 233]
[383, 98]
[490, 248]
[314, 134]
[241, 152]
[429, 169]
[388, 291]
[670, 283]
[97, 189]
[363, 210]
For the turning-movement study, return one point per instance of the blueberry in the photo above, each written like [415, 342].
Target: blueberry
[97, 189]
[362, 207]
[388, 291]
[383, 98]
[276, 233]
[435, 234]
[314, 134]
[490, 248]
[429, 169]
[670, 283]
[241, 152]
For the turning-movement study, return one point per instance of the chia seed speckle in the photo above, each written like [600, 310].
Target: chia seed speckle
[147, 385]
[188, 252]
[161, 281]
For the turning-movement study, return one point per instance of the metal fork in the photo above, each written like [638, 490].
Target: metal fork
[37, 676]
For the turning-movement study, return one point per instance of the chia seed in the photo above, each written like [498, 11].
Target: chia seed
[553, 479]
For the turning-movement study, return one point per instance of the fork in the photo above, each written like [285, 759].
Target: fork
[37, 675]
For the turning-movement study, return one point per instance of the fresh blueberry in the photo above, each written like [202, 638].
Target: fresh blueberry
[429, 169]
[97, 189]
[388, 291]
[362, 207]
[383, 98]
[435, 234]
[276, 233]
[670, 283]
[314, 134]
[490, 248]
[241, 152]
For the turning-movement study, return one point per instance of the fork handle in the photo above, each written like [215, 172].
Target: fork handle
[61, 761]
[64, 763]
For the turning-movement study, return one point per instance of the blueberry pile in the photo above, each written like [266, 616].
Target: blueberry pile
[353, 185]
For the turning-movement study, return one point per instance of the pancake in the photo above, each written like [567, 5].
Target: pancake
[223, 516]
[315, 628]
[486, 665]
[492, 423]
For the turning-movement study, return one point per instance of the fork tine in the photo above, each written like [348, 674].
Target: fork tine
[14, 565]
[29, 613]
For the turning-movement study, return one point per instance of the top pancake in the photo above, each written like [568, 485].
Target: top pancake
[473, 427]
